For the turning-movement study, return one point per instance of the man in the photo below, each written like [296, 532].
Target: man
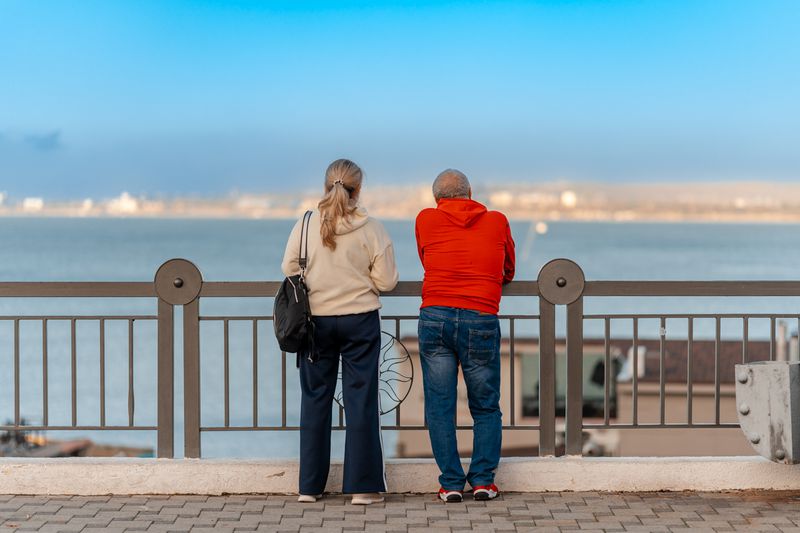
[468, 255]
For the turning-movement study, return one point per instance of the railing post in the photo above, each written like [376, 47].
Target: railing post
[178, 282]
[574, 411]
[166, 377]
[547, 378]
[561, 282]
[191, 379]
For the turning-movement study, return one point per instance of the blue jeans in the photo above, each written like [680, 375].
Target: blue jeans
[448, 337]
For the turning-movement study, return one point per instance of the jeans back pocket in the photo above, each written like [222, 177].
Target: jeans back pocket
[484, 344]
[431, 340]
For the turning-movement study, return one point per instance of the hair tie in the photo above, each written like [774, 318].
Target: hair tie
[339, 181]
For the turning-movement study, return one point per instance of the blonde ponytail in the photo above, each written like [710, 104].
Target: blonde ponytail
[342, 186]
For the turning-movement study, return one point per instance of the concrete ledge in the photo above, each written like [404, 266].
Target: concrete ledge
[93, 476]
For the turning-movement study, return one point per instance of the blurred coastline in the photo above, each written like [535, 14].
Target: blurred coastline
[620, 202]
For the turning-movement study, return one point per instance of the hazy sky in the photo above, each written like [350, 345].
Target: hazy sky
[206, 97]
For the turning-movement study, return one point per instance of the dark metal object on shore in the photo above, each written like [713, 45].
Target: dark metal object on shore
[22, 443]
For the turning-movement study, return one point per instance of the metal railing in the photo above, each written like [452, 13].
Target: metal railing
[94, 290]
[178, 283]
[193, 320]
[563, 274]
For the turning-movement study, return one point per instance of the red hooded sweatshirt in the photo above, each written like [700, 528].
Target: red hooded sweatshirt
[467, 253]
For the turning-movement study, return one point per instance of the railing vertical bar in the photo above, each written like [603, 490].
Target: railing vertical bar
[689, 350]
[73, 373]
[662, 334]
[717, 339]
[16, 373]
[397, 336]
[255, 373]
[226, 372]
[607, 368]
[745, 340]
[102, 327]
[166, 379]
[635, 371]
[772, 338]
[283, 389]
[547, 378]
[191, 379]
[511, 378]
[341, 416]
[574, 409]
[45, 385]
[131, 398]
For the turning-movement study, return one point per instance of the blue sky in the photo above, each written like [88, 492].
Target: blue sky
[207, 97]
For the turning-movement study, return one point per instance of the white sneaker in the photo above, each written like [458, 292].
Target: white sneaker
[366, 499]
[450, 496]
[482, 493]
[308, 498]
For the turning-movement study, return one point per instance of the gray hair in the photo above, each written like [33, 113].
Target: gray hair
[451, 183]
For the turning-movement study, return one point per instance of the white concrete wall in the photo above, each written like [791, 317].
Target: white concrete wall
[87, 476]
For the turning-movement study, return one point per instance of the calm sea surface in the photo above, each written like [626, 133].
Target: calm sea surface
[132, 250]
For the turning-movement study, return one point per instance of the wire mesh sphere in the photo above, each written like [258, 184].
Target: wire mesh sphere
[395, 378]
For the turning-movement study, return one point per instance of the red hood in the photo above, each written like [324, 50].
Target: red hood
[461, 211]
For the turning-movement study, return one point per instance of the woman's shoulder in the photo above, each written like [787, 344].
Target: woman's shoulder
[373, 225]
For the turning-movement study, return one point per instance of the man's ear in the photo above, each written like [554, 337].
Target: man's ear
[469, 193]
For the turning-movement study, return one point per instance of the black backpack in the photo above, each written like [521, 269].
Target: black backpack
[291, 313]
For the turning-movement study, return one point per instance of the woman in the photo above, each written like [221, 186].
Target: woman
[350, 259]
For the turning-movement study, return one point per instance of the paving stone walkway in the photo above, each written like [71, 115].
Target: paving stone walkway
[566, 511]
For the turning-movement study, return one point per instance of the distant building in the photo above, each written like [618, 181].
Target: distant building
[124, 204]
[32, 204]
[501, 199]
[569, 199]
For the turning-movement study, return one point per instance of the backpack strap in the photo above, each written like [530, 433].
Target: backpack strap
[303, 259]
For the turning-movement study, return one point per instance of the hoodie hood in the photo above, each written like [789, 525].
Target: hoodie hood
[461, 211]
[358, 219]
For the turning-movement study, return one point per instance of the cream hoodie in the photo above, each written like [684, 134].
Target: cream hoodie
[349, 279]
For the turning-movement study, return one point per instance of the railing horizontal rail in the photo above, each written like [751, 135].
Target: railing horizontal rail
[78, 317]
[690, 315]
[692, 288]
[28, 427]
[77, 289]
[662, 426]
[404, 427]
[267, 289]
[239, 289]
[246, 318]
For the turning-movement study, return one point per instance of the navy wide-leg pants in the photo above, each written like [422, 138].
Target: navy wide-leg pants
[357, 340]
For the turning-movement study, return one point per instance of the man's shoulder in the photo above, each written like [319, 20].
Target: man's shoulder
[497, 216]
[426, 214]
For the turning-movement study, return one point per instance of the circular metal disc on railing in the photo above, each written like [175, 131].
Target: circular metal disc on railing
[396, 374]
[561, 281]
[178, 281]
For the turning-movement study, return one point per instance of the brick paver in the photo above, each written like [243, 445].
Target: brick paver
[567, 511]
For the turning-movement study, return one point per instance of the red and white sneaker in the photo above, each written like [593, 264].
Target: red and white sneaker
[451, 496]
[485, 492]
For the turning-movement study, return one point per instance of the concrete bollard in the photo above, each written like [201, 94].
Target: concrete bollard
[768, 404]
